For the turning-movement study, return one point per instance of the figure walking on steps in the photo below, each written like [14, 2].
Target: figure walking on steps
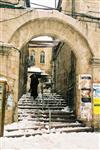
[34, 86]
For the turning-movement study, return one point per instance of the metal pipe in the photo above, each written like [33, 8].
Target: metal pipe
[73, 8]
[49, 119]
[28, 3]
[55, 3]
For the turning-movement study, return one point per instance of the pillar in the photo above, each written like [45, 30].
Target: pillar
[9, 69]
[96, 92]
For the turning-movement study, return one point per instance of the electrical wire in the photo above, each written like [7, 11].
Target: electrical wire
[29, 10]
[81, 15]
[46, 8]
[42, 5]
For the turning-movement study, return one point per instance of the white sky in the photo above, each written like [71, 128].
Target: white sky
[50, 3]
[43, 38]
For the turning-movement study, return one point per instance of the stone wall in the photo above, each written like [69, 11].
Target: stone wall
[64, 73]
[48, 54]
[46, 67]
[83, 35]
[9, 68]
[13, 66]
[89, 7]
[91, 28]
[23, 70]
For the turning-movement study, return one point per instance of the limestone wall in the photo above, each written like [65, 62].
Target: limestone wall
[89, 7]
[65, 73]
[19, 26]
[9, 68]
[48, 54]
[90, 27]
[23, 64]
[13, 66]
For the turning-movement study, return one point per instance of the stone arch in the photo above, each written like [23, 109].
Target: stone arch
[59, 26]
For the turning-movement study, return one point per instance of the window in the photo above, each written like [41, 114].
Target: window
[42, 57]
[32, 57]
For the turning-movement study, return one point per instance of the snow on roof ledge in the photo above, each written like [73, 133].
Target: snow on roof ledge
[3, 79]
[34, 69]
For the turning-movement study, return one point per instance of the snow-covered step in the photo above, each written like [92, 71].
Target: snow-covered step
[31, 132]
[47, 119]
[64, 125]
[43, 98]
[39, 104]
[41, 107]
[47, 115]
[34, 125]
[75, 129]
[46, 112]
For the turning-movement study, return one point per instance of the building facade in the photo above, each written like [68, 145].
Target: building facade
[87, 13]
[41, 57]
[79, 31]
[64, 69]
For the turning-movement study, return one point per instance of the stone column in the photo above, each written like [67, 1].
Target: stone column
[96, 92]
[9, 68]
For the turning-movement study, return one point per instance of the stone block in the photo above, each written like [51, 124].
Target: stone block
[9, 115]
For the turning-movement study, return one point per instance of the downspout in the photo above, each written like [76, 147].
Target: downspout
[59, 5]
[28, 3]
[73, 8]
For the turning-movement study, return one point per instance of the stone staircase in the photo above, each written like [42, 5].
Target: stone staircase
[47, 114]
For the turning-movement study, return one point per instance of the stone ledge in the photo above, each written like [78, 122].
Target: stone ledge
[6, 47]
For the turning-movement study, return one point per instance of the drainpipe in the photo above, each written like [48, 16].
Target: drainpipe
[73, 8]
[27, 3]
[55, 3]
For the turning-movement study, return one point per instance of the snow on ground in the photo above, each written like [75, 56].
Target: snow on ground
[64, 141]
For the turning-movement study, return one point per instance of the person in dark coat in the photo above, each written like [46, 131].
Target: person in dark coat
[34, 86]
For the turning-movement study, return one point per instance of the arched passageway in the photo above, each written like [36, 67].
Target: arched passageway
[57, 25]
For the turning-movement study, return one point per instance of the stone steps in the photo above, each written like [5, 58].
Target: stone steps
[44, 117]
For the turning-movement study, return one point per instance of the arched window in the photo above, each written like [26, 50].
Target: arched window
[32, 57]
[42, 57]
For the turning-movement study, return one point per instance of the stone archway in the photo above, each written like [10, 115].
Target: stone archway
[55, 24]
[58, 26]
